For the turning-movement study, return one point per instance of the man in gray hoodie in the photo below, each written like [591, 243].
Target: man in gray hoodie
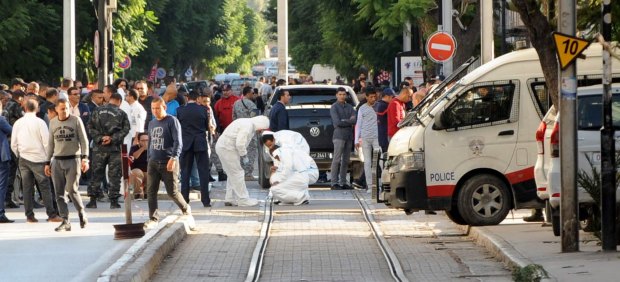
[68, 152]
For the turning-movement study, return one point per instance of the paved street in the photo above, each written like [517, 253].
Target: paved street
[34, 251]
[327, 240]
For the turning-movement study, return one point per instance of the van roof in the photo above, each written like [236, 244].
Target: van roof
[594, 50]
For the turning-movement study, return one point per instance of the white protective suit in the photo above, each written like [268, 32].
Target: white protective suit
[288, 139]
[230, 147]
[295, 171]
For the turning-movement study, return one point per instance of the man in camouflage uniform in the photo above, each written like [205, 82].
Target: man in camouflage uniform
[108, 127]
[246, 108]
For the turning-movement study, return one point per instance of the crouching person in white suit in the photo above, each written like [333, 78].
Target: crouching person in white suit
[292, 172]
[286, 139]
[231, 147]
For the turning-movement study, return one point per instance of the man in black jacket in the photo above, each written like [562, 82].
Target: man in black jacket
[194, 121]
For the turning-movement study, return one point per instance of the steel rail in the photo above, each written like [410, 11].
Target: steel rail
[258, 255]
[393, 263]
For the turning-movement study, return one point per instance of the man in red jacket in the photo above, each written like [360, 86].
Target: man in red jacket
[224, 108]
[396, 110]
[223, 112]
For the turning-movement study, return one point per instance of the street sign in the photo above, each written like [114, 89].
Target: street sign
[125, 64]
[161, 73]
[441, 46]
[96, 48]
[568, 48]
[189, 72]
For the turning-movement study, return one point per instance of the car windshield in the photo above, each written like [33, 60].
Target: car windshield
[590, 112]
[196, 85]
[311, 97]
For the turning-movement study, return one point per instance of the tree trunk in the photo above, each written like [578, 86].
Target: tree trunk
[539, 30]
[468, 41]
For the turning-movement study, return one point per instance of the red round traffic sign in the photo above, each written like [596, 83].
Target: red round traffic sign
[440, 46]
[125, 64]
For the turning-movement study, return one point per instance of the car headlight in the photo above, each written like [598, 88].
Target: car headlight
[407, 161]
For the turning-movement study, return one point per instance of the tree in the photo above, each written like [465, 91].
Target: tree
[222, 36]
[388, 17]
[327, 32]
[539, 31]
[29, 41]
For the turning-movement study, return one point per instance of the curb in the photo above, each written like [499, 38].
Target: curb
[499, 248]
[141, 260]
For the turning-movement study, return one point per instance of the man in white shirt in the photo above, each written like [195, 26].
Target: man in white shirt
[77, 108]
[29, 142]
[137, 117]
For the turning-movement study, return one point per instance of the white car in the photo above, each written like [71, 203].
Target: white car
[589, 121]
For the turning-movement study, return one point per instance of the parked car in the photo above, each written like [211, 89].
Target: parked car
[309, 114]
[237, 84]
[198, 84]
[589, 122]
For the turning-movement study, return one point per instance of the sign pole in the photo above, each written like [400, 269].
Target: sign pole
[608, 146]
[102, 16]
[568, 136]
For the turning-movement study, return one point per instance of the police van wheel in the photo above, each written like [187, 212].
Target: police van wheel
[484, 200]
[455, 216]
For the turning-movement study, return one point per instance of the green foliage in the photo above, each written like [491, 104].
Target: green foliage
[589, 18]
[221, 36]
[532, 272]
[389, 16]
[327, 32]
[30, 36]
[590, 180]
[305, 38]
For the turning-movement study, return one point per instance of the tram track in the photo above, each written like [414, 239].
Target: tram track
[259, 253]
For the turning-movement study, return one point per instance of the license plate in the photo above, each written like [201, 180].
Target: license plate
[321, 155]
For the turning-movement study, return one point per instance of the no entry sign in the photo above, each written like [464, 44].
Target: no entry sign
[440, 46]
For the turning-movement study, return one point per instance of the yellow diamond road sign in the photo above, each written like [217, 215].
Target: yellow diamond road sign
[568, 48]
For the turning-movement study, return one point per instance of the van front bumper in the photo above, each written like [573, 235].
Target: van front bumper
[407, 190]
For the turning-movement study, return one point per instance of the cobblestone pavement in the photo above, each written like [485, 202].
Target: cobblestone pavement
[431, 248]
[327, 240]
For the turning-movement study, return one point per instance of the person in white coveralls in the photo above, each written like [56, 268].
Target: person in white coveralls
[231, 147]
[292, 172]
[286, 139]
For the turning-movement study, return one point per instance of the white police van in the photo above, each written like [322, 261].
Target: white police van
[470, 149]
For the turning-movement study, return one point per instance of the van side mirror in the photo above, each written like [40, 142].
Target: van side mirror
[438, 123]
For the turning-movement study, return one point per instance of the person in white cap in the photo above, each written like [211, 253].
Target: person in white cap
[232, 146]
[292, 172]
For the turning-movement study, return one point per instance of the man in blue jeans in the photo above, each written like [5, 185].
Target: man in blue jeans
[344, 118]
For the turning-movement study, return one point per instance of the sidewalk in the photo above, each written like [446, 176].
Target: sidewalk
[519, 244]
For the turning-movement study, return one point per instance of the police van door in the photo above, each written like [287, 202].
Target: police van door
[477, 129]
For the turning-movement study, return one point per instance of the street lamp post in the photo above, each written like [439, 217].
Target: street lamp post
[283, 39]
[68, 39]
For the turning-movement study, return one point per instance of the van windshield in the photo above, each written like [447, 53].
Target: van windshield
[430, 105]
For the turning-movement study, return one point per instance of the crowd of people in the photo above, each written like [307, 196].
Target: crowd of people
[54, 139]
